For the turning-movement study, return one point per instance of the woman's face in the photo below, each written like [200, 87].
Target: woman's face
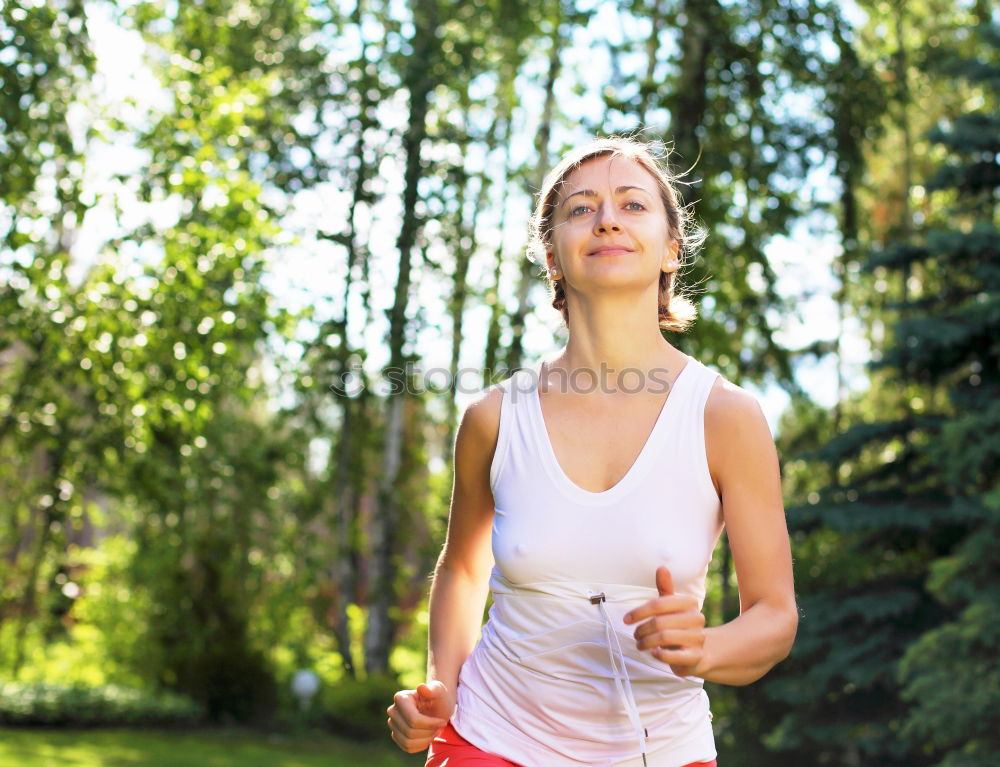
[609, 226]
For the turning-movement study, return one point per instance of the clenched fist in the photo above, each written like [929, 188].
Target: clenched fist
[416, 716]
[675, 630]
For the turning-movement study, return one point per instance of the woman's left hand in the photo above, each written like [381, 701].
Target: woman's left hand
[675, 630]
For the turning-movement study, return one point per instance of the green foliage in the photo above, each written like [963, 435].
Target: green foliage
[895, 660]
[956, 661]
[44, 61]
[162, 522]
[49, 705]
[46, 57]
[109, 618]
[356, 708]
[100, 643]
[409, 655]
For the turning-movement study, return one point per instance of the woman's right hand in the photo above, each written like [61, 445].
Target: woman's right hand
[416, 716]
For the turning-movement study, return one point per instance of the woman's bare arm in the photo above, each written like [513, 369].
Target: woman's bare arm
[744, 464]
[461, 578]
[461, 581]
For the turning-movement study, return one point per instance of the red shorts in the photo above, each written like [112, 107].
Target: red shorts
[449, 749]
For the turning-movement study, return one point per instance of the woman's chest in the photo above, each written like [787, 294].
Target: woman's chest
[595, 444]
[544, 539]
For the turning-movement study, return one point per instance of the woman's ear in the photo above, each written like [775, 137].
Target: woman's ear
[670, 263]
[551, 266]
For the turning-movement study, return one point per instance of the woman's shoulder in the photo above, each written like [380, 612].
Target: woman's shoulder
[729, 405]
[483, 410]
[481, 417]
[735, 429]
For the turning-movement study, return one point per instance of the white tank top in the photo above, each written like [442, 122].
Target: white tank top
[556, 678]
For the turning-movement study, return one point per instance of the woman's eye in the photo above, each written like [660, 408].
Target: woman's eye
[633, 205]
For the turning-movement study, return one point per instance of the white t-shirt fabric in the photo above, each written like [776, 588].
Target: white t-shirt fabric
[556, 679]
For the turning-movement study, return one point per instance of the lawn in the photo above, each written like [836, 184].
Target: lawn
[215, 748]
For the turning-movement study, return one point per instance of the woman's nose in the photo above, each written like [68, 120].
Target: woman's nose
[606, 220]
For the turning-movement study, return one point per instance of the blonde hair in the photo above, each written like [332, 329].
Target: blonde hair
[676, 311]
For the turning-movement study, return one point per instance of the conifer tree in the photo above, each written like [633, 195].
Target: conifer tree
[950, 675]
[893, 663]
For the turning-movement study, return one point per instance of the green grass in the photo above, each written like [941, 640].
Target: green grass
[214, 748]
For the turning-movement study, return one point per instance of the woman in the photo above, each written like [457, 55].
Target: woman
[598, 482]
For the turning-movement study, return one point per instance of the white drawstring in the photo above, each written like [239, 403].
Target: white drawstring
[621, 676]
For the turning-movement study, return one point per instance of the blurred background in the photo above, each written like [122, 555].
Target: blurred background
[223, 222]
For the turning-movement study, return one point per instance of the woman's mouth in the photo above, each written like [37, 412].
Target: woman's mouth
[610, 250]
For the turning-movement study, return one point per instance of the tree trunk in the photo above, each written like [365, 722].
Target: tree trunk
[456, 303]
[648, 86]
[48, 516]
[690, 99]
[460, 288]
[849, 166]
[528, 270]
[381, 627]
[345, 484]
[901, 66]
[491, 355]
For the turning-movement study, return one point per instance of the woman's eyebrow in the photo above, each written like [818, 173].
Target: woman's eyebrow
[592, 193]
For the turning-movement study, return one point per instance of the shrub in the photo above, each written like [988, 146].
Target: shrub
[39, 704]
[356, 709]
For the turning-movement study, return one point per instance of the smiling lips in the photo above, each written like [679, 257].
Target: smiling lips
[610, 250]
